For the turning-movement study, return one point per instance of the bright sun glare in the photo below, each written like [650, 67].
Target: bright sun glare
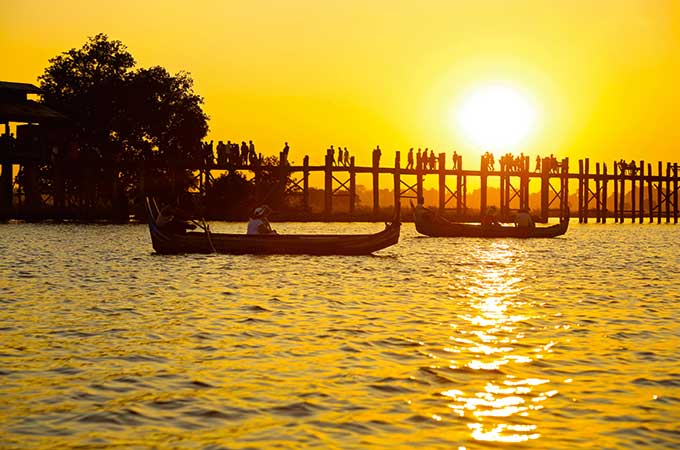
[496, 117]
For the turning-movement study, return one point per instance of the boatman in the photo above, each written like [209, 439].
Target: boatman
[259, 223]
[523, 219]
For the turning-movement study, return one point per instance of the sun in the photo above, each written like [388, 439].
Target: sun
[496, 117]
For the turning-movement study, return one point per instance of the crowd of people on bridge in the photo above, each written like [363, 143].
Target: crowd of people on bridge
[233, 154]
[628, 168]
[342, 159]
[424, 159]
[244, 155]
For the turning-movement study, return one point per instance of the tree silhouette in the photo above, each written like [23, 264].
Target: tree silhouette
[121, 115]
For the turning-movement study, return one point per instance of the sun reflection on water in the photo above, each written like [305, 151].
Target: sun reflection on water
[487, 339]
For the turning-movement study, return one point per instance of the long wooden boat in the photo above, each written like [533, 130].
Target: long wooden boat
[311, 244]
[431, 224]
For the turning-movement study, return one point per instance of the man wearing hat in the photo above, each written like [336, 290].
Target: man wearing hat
[258, 223]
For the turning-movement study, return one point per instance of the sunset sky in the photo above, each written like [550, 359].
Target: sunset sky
[602, 78]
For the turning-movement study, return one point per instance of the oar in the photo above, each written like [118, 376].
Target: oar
[205, 227]
[207, 233]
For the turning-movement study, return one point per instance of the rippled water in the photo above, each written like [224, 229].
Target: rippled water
[433, 343]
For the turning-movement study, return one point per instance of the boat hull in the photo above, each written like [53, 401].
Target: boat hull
[269, 244]
[429, 224]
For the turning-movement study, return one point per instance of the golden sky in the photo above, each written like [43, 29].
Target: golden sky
[603, 76]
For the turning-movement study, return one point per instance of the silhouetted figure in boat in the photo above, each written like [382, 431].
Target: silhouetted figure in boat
[259, 221]
[170, 220]
[523, 219]
[423, 211]
[489, 218]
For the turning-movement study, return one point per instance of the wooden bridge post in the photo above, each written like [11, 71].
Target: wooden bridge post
[633, 197]
[641, 215]
[375, 171]
[283, 174]
[460, 201]
[616, 192]
[483, 173]
[442, 181]
[352, 186]
[581, 197]
[419, 179]
[668, 192]
[305, 183]
[659, 187]
[598, 194]
[675, 192]
[504, 183]
[328, 184]
[524, 184]
[545, 189]
[397, 185]
[605, 190]
[650, 192]
[622, 196]
[564, 187]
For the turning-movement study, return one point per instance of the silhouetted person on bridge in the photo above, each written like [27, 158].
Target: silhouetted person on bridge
[409, 165]
[244, 153]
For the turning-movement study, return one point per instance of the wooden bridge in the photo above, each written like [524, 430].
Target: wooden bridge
[631, 193]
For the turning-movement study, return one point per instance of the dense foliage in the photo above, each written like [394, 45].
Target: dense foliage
[120, 114]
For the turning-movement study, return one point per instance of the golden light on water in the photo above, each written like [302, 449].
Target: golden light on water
[491, 342]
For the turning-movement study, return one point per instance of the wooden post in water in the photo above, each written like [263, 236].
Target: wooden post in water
[581, 197]
[397, 185]
[659, 188]
[622, 196]
[503, 188]
[352, 186]
[524, 184]
[598, 194]
[545, 189]
[616, 192]
[675, 192]
[605, 181]
[650, 192]
[632, 195]
[283, 174]
[483, 173]
[459, 186]
[328, 184]
[375, 172]
[305, 183]
[641, 215]
[668, 192]
[441, 166]
[564, 187]
[419, 178]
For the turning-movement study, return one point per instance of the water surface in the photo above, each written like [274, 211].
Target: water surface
[433, 343]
